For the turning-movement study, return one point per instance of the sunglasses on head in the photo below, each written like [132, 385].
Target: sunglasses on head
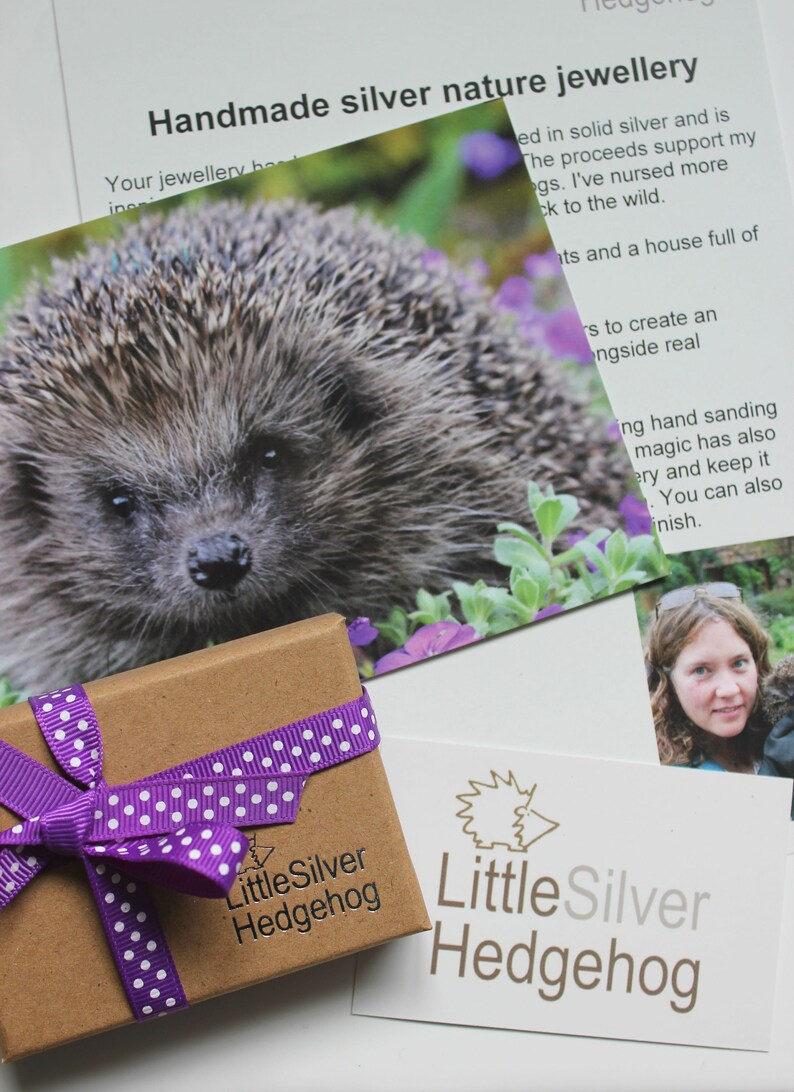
[680, 597]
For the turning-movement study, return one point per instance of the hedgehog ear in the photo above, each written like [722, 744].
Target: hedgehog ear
[349, 408]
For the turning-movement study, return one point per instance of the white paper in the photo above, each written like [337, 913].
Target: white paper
[558, 687]
[584, 897]
[37, 181]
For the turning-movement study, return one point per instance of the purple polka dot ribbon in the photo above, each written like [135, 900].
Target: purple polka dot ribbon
[177, 828]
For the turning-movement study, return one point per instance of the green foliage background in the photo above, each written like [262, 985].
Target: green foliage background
[763, 570]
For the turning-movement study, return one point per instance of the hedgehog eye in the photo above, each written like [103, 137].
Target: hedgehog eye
[265, 453]
[122, 502]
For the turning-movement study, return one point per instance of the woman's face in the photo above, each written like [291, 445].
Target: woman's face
[716, 679]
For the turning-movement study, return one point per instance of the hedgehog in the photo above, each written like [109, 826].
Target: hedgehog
[237, 415]
[777, 704]
[777, 691]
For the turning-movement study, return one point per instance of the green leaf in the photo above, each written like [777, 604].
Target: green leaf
[475, 601]
[599, 586]
[425, 601]
[521, 533]
[595, 557]
[425, 202]
[431, 608]
[395, 629]
[527, 591]
[481, 604]
[467, 597]
[505, 622]
[573, 553]
[8, 695]
[629, 579]
[546, 514]
[513, 551]
[535, 496]
[597, 536]
[498, 597]
[554, 514]
[645, 551]
[570, 510]
[509, 614]
[617, 550]
[578, 593]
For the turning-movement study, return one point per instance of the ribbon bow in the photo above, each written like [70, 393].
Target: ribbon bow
[177, 828]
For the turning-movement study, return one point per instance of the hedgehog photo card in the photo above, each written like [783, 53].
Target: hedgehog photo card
[352, 382]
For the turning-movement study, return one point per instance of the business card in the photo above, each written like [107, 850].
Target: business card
[585, 897]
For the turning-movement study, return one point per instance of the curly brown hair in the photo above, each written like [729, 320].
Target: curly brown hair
[679, 741]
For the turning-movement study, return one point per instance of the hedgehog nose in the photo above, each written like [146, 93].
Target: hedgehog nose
[218, 561]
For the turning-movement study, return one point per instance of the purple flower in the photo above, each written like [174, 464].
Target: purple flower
[544, 265]
[577, 536]
[478, 269]
[565, 336]
[613, 431]
[636, 516]
[430, 640]
[532, 325]
[515, 294]
[473, 276]
[432, 258]
[488, 155]
[547, 612]
[361, 632]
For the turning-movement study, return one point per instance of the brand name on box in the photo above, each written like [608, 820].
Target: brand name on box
[310, 890]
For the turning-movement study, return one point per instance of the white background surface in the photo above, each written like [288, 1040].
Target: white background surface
[297, 1033]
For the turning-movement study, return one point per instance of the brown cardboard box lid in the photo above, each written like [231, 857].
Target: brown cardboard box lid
[341, 874]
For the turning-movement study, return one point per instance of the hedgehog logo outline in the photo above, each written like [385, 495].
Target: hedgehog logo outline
[258, 855]
[499, 813]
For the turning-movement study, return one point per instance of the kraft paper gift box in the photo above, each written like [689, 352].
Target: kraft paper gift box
[58, 979]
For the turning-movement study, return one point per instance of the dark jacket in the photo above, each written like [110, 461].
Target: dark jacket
[778, 704]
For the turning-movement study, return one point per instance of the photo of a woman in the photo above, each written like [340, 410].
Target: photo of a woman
[717, 702]
[706, 655]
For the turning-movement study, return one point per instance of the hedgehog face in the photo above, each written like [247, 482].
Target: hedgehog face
[203, 545]
[243, 497]
[187, 555]
[196, 532]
